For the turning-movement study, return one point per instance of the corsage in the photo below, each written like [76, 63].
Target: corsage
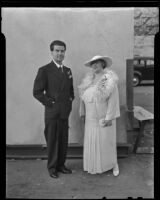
[69, 74]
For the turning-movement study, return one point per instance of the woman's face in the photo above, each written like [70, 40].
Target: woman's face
[97, 66]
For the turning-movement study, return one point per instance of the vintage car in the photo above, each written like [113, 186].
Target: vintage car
[143, 69]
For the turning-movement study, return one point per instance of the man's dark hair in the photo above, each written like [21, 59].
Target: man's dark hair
[57, 42]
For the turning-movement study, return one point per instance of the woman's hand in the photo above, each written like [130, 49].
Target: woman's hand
[108, 122]
[103, 122]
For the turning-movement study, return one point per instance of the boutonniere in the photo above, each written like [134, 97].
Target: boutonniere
[69, 74]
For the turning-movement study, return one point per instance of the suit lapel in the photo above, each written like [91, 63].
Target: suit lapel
[64, 75]
[56, 71]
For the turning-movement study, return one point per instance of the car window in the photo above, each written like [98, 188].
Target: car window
[150, 62]
[136, 62]
[142, 62]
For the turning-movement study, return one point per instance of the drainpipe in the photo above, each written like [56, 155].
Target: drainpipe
[129, 93]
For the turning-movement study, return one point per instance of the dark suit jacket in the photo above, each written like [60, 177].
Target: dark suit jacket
[50, 86]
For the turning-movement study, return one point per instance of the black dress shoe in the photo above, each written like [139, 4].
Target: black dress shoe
[54, 174]
[64, 170]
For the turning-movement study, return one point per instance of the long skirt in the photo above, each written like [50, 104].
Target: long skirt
[99, 153]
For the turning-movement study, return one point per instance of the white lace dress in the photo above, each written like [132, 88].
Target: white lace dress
[99, 151]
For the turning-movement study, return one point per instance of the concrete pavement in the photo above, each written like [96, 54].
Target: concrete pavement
[30, 179]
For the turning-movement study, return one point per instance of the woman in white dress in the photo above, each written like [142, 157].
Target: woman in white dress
[99, 108]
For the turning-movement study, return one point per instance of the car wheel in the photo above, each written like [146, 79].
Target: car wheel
[136, 80]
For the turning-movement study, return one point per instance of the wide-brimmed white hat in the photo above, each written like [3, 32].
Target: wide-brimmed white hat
[107, 60]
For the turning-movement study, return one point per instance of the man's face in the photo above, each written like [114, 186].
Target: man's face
[58, 53]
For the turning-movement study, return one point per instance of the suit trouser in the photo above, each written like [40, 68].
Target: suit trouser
[56, 135]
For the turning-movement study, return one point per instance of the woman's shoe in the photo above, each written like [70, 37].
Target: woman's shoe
[116, 170]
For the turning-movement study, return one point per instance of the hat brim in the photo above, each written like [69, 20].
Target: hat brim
[107, 60]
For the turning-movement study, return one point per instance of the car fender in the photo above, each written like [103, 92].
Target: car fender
[138, 73]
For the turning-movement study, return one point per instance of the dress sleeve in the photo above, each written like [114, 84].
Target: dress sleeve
[113, 110]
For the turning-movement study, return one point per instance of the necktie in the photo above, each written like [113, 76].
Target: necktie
[61, 68]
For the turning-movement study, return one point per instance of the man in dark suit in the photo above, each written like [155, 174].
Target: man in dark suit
[53, 87]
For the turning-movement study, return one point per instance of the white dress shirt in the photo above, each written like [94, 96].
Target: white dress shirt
[58, 65]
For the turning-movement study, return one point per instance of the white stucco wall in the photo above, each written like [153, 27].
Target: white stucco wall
[87, 32]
